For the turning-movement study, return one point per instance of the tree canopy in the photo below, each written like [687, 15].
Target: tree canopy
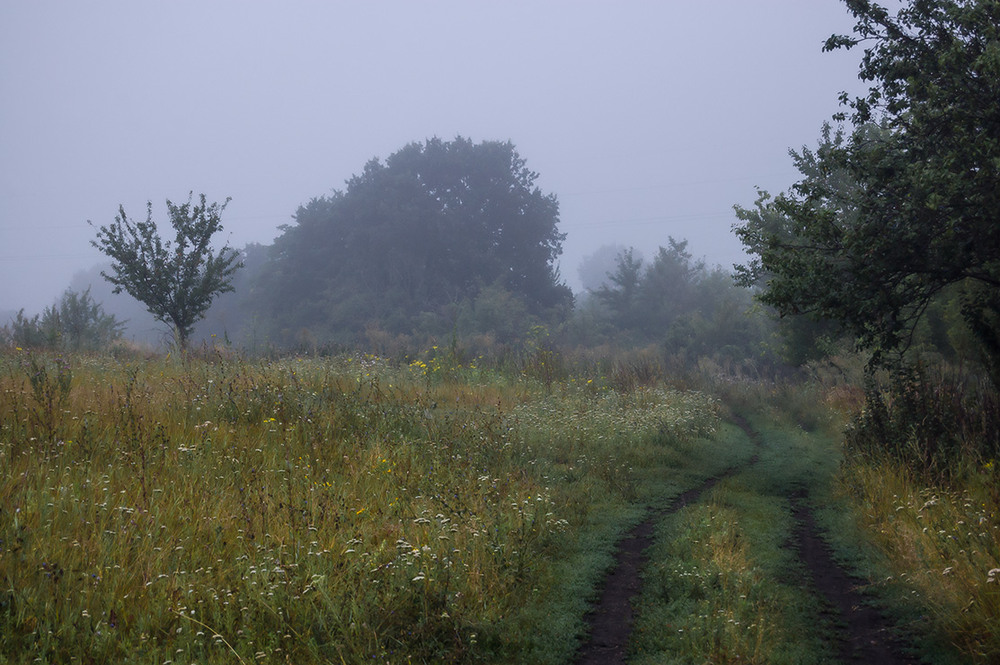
[674, 302]
[907, 203]
[410, 237]
[178, 281]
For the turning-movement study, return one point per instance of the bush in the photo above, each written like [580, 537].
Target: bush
[934, 425]
[76, 323]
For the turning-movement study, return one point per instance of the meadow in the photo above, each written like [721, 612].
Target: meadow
[349, 509]
[317, 510]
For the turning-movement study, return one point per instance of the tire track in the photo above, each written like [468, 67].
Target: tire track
[864, 634]
[610, 620]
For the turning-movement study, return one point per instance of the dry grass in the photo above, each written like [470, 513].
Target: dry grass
[943, 545]
[335, 510]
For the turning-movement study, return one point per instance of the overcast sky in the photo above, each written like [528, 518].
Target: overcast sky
[647, 119]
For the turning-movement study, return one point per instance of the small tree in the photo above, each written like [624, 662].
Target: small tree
[175, 282]
[26, 332]
[81, 323]
[75, 323]
[621, 294]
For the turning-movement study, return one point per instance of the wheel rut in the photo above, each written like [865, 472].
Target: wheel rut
[610, 620]
[864, 634]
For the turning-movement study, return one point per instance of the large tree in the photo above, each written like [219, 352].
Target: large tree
[908, 203]
[426, 229]
[178, 281]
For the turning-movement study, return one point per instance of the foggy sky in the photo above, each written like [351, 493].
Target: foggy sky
[646, 119]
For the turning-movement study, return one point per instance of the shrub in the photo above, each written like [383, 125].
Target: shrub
[934, 425]
[75, 323]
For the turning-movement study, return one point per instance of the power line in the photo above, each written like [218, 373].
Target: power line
[675, 184]
[652, 220]
[635, 221]
[55, 227]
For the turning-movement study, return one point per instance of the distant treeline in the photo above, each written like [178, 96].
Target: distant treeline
[442, 242]
[452, 243]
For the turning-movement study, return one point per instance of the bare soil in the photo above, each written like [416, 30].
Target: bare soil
[610, 620]
[862, 633]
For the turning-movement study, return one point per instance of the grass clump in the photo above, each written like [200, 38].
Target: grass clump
[941, 549]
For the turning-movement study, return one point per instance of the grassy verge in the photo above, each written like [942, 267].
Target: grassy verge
[319, 510]
[933, 553]
[922, 476]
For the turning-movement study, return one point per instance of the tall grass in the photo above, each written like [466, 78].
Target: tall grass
[942, 547]
[921, 471]
[315, 510]
[937, 423]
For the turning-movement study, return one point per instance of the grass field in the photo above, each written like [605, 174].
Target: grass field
[349, 510]
[318, 510]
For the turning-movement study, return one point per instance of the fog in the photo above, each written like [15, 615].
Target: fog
[647, 120]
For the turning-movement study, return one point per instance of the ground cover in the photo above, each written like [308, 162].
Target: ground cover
[901, 564]
[723, 584]
[348, 509]
[319, 510]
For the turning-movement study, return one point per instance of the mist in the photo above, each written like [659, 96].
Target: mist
[647, 121]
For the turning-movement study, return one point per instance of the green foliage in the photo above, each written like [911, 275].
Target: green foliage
[980, 308]
[886, 218]
[413, 238]
[498, 312]
[75, 323]
[27, 332]
[934, 425]
[81, 323]
[176, 281]
[675, 302]
[621, 296]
